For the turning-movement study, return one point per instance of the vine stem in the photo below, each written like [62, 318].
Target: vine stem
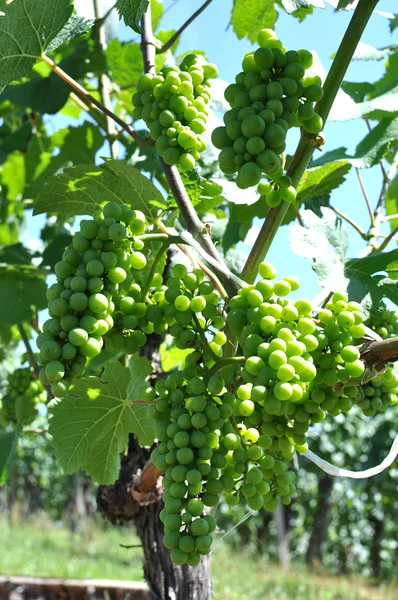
[225, 362]
[177, 34]
[350, 221]
[194, 225]
[104, 83]
[83, 92]
[388, 239]
[155, 263]
[365, 195]
[304, 149]
[29, 351]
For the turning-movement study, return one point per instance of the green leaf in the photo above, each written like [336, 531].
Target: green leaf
[27, 27]
[47, 95]
[389, 289]
[17, 140]
[357, 90]
[391, 202]
[250, 16]
[292, 6]
[157, 13]
[25, 410]
[326, 241]
[374, 263]
[53, 253]
[75, 27]
[21, 294]
[8, 445]
[370, 150]
[363, 288]
[320, 181]
[83, 189]
[365, 52]
[91, 425]
[394, 23]
[172, 357]
[132, 12]
[124, 61]
[15, 254]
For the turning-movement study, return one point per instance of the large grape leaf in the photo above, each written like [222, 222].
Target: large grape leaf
[49, 94]
[326, 241]
[83, 189]
[8, 444]
[27, 27]
[319, 181]
[91, 425]
[374, 263]
[249, 16]
[370, 150]
[22, 292]
[15, 254]
[132, 12]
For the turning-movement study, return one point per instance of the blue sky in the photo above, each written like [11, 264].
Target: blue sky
[321, 31]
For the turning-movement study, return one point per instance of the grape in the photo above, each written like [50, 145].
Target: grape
[266, 103]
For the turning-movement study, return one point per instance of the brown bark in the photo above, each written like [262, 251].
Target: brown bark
[320, 522]
[375, 556]
[118, 505]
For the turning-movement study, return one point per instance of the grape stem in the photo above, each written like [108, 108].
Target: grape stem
[203, 338]
[305, 150]
[155, 263]
[177, 34]
[88, 97]
[29, 351]
[224, 362]
[193, 224]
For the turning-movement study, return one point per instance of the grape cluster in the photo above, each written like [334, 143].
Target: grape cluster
[173, 105]
[231, 424]
[379, 393]
[383, 321]
[270, 95]
[22, 387]
[98, 267]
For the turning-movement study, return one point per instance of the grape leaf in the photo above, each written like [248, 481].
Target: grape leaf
[83, 189]
[374, 263]
[15, 254]
[250, 16]
[326, 241]
[53, 253]
[370, 150]
[391, 202]
[27, 27]
[389, 289]
[8, 445]
[74, 27]
[365, 52]
[21, 293]
[394, 23]
[357, 90]
[132, 12]
[319, 181]
[91, 425]
[47, 95]
[26, 410]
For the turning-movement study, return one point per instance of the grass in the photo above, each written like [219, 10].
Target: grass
[45, 549]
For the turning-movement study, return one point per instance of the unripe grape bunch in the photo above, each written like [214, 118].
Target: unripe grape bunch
[270, 95]
[231, 425]
[174, 105]
[96, 268]
[21, 385]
